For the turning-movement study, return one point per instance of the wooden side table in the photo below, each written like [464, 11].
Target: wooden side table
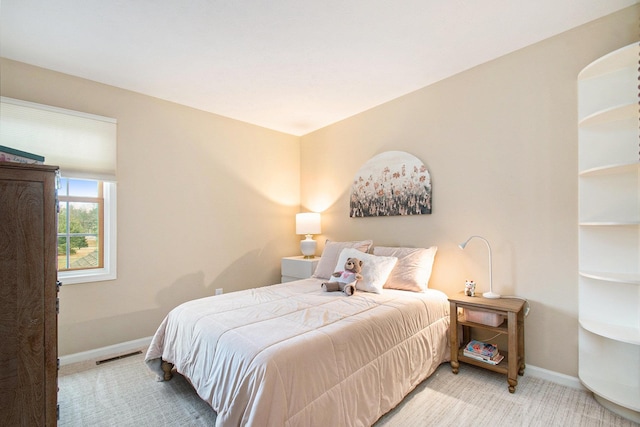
[513, 326]
[297, 267]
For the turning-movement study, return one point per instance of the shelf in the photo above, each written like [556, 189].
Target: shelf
[609, 144]
[620, 333]
[609, 223]
[608, 193]
[616, 60]
[634, 279]
[611, 169]
[610, 369]
[502, 367]
[501, 328]
[596, 385]
[609, 115]
[613, 224]
[609, 248]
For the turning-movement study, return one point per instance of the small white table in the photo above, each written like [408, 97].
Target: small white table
[297, 267]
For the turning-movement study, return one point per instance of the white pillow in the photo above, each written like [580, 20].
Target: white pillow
[413, 270]
[375, 269]
[331, 252]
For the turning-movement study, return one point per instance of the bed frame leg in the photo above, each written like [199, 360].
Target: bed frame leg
[166, 368]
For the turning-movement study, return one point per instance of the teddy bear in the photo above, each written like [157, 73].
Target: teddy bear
[345, 281]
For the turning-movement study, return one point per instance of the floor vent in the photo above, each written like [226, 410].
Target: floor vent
[122, 356]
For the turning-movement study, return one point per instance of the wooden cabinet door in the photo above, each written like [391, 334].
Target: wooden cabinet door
[28, 323]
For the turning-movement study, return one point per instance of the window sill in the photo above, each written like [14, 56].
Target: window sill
[74, 277]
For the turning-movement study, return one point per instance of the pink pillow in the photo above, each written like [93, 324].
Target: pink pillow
[413, 269]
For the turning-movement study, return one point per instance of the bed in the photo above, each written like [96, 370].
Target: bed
[293, 355]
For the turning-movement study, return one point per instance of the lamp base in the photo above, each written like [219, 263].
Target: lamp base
[491, 295]
[308, 247]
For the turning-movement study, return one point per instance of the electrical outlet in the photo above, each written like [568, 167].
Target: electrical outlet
[219, 291]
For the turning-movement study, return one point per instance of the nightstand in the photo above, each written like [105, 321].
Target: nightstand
[298, 267]
[512, 310]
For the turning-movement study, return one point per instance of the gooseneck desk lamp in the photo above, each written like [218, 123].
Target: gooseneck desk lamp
[489, 294]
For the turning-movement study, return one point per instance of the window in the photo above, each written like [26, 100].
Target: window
[80, 225]
[86, 230]
[84, 147]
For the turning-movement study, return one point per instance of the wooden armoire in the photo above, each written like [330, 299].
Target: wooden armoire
[28, 295]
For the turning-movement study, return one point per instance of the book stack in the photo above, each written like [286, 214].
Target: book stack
[8, 154]
[484, 352]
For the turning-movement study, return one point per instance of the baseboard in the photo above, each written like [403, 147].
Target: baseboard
[554, 377]
[103, 352]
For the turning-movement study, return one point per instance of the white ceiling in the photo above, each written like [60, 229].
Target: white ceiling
[289, 65]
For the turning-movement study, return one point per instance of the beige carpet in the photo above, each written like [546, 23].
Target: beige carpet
[125, 393]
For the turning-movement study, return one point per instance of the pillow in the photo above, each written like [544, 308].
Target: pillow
[413, 270]
[327, 264]
[375, 269]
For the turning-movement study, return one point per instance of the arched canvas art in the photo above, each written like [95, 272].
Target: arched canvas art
[391, 183]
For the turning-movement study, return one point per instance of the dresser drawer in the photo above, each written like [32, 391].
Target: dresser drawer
[298, 267]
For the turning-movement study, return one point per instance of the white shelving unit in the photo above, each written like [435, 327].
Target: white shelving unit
[609, 230]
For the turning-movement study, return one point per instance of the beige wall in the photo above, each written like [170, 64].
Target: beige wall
[203, 202]
[500, 141]
[207, 202]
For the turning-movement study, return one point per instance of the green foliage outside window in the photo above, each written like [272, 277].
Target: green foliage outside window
[83, 220]
[79, 230]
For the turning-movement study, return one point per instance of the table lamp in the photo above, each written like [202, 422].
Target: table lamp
[308, 224]
[489, 294]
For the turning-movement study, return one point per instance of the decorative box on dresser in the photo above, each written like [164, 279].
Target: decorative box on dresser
[297, 267]
[609, 230]
[28, 295]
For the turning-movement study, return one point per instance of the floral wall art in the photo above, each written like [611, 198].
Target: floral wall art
[391, 183]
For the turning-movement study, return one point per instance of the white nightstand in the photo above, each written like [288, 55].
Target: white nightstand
[298, 267]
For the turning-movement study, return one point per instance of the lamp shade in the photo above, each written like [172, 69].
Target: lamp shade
[308, 223]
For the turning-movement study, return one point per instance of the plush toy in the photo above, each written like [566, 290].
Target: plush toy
[345, 281]
[470, 288]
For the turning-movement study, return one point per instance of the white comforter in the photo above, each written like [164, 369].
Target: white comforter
[293, 355]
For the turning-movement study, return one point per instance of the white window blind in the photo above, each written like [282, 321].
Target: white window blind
[82, 145]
